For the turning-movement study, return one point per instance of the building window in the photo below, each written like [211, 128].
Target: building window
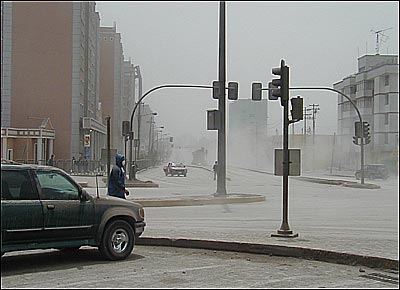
[386, 80]
[386, 118]
[353, 89]
[387, 99]
[386, 135]
[369, 85]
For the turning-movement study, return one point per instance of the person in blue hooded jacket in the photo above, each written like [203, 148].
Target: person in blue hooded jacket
[116, 184]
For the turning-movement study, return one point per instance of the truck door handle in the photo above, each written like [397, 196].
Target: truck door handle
[51, 206]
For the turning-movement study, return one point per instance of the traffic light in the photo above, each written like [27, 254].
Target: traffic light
[256, 91]
[216, 86]
[365, 129]
[355, 140]
[357, 129]
[271, 90]
[282, 83]
[233, 88]
[297, 108]
[125, 128]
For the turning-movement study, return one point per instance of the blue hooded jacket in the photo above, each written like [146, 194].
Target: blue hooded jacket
[116, 184]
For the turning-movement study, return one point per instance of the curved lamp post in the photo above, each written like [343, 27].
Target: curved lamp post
[132, 173]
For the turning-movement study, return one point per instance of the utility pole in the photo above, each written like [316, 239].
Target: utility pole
[138, 75]
[315, 109]
[221, 176]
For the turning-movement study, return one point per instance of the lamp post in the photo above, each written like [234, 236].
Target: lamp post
[158, 146]
[132, 169]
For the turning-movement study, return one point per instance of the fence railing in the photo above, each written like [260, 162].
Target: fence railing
[72, 166]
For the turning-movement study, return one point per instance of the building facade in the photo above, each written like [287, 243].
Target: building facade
[112, 83]
[374, 88]
[51, 74]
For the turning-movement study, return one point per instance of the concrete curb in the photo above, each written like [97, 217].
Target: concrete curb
[345, 183]
[339, 182]
[139, 183]
[199, 200]
[275, 250]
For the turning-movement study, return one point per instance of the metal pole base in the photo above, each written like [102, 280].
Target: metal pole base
[285, 234]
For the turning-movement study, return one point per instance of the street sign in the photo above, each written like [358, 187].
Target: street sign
[86, 140]
[294, 162]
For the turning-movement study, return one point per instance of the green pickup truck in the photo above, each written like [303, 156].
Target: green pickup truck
[42, 207]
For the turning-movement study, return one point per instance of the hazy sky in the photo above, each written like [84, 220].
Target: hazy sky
[177, 43]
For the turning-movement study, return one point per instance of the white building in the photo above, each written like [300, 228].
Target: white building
[375, 91]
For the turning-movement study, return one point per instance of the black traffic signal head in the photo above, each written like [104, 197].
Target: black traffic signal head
[357, 129]
[271, 92]
[282, 83]
[297, 108]
[355, 140]
[367, 139]
[216, 86]
[125, 128]
[365, 129]
[256, 91]
[233, 88]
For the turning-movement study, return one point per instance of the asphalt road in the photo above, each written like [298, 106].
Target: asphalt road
[168, 267]
[329, 217]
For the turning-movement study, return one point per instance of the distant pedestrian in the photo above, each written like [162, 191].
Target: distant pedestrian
[215, 169]
[51, 161]
[116, 184]
[73, 169]
[80, 162]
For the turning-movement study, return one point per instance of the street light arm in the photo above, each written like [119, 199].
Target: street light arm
[359, 116]
[160, 87]
[333, 90]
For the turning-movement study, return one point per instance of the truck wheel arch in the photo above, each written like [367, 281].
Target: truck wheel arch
[111, 215]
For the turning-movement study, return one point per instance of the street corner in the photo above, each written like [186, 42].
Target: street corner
[199, 200]
[140, 183]
[359, 185]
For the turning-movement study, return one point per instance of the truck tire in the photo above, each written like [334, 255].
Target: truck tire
[118, 240]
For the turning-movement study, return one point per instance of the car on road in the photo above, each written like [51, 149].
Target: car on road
[42, 207]
[173, 168]
[373, 171]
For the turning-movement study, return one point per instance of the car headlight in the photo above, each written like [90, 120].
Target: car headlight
[141, 212]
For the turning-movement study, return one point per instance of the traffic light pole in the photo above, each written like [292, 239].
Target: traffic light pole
[284, 230]
[221, 176]
[358, 113]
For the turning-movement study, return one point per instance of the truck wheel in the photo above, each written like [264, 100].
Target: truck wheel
[118, 240]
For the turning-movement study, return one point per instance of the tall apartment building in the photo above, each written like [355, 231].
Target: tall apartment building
[50, 68]
[375, 91]
[112, 83]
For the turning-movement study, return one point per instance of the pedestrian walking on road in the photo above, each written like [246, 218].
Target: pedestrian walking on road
[116, 184]
[50, 162]
[215, 169]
